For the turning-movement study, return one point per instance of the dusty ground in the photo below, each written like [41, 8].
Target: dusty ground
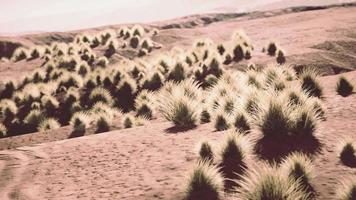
[149, 162]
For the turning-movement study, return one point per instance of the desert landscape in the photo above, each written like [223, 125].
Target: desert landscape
[256, 105]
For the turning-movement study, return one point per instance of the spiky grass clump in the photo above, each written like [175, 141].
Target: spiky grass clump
[281, 59]
[34, 117]
[344, 87]
[3, 130]
[100, 94]
[205, 182]
[274, 119]
[144, 109]
[347, 152]
[310, 83]
[103, 62]
[298, 167]
[304, 121]
[179, 103]
[241, 122]
[128, 121]
[50, 104]
[271, 49]
[134, 42]
[267, 183]
[347, 189]
[205, 116]
[178, 72]
[206, 151]
[20, 54]
[221, 121]
[80, 122]
[232, 157]
[8, 90]
[48, 124]
[103, 123]
[8, 109]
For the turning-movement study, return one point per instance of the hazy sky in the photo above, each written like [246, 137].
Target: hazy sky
[17, 16]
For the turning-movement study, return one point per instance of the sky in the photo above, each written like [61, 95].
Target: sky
[26, 16]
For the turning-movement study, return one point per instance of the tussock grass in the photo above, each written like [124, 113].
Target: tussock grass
[134, 42]
[344, 87]
[266, 182]
[281, 59]
[128, 121]
[204, 182]
[241, 122]
[347, 152]
[48, 124]
[20, 54]
[100, 94]
[221, 121]
[80, 122]
[179, 103]
[8, 90]
[272, 48]
[103, 123]
[206, 151]
[205, 116]
[310, 83]
[34, 118]
[3, 130]
[298, 167]
[231, 157]
[347, 189]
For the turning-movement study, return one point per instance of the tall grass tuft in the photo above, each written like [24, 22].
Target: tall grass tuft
[232, 156]
[298, 167]
[206, 151]
[267, 182]
[48, 124]
[310, 83]
[205, 182]
[344, 87]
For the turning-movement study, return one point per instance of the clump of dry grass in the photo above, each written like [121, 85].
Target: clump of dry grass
[3, 130]
[34, 118]
[221, 121]
[80, 122]
[206, 151]
[344, 87]
[134, 42]
[347, 189]
[298, 167]
[310, 83]
[48, 124]
[347, 151]
[179, 103]
[100, 94]
[128, 121]
[20, 54]
[231, 157]
[103, 123]
[267, 182]
[205, 182]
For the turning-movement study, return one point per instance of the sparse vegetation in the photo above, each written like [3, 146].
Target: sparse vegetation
[344, 87]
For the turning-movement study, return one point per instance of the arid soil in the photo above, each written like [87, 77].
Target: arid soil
[151, 162]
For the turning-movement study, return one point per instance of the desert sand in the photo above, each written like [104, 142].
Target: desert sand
[151, 162]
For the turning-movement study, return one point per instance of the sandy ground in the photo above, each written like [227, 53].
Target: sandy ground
[151, 163]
